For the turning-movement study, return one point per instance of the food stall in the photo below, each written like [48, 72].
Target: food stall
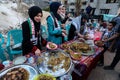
[72, 60]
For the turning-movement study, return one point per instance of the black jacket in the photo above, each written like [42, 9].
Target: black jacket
[27, 45]
[72, 33]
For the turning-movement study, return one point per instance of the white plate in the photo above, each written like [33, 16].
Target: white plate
[31, 70]
[19, 60]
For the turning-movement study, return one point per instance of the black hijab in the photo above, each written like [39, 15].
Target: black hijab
[33, 11]
[54, 7]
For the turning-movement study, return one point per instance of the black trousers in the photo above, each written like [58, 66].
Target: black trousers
[116, 58]
[102, 54]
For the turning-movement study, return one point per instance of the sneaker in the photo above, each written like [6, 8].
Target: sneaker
[108, 68]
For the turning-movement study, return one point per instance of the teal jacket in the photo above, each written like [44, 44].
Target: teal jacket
[67, 27]
[54, 34]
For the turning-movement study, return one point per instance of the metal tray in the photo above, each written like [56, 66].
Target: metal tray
[43, 67]
[32, 71]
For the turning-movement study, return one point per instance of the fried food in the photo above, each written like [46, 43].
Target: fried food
[59, 59]
[99, 43]
[45, 77]
[16, 74]
[65, 46]
[76, 56]
[39, 60]
[51, 45]
[79, 47]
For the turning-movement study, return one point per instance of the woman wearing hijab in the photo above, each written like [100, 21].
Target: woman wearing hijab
[32, 39]
[55, 32]
[78, 27]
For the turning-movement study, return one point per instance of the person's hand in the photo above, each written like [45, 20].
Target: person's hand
[105, 40]
[68, 15]
[63, 34]
[64, 31]
[38, 52]
[81, 36]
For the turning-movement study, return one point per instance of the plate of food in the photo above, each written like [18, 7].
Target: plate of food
[74, 46]
[55, 63]
[19, 72]
[51, 46]
[88, 51]
[76, 56]
[82, 48]
[44, 77]
[99, 43]
[64, 46]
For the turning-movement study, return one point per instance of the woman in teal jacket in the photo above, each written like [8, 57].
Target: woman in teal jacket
[54, 24]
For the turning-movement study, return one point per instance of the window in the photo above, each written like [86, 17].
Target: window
[84, 3]
[104, 11]
[91, 0]
[72, 3]
[112, 1]
[66, 2]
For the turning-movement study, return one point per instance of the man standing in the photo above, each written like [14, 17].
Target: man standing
[89, 10]
[117, 55]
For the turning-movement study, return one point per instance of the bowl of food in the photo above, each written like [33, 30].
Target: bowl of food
[44, 77]
[99, 43]
[51, 46]
[18, 72]
[76, 56]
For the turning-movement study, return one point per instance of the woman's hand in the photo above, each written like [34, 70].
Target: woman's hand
[80, 35]
[63, 34]
[38, 52]
[64, 31]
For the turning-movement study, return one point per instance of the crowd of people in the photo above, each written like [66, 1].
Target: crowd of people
[59, 31]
